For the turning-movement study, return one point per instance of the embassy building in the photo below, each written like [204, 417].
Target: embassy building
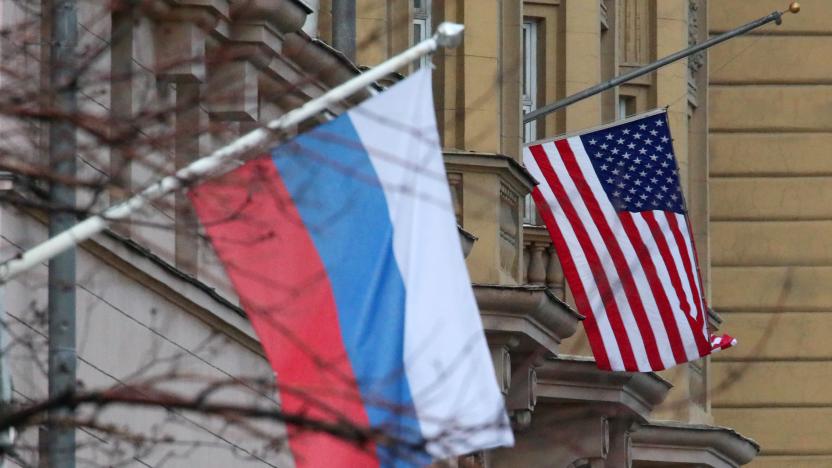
[750, 127]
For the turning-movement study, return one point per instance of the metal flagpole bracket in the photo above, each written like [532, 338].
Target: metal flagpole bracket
[447, 35]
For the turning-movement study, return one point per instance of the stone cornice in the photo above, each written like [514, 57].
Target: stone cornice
[532, 314]
[691, 444]
[317, 59]
[491, 162]
[573, 379]
[287, 15]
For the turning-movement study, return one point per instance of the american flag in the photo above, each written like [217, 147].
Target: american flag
[612, 202]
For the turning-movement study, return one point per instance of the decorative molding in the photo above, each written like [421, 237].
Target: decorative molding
[467, 240]
[574, 379]
[696, 61]
[531, 314]
[680, 444]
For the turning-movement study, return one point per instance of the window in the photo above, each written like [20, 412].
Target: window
[626, 106]
[421, 27]
[528, 99]
[528, 96]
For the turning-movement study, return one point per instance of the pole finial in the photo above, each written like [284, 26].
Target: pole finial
[794, 7]
[449, 34]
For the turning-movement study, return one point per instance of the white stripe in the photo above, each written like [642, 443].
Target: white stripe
[447, 361]
[581, 264]
[619, 295]
[631, 259]
[685, 331]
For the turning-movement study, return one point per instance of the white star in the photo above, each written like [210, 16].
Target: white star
[654, 180]
[626, 176]
[654, 157]
[642, 151]
[610, 181]
[632, 168]
[649, 188]
[631, 146]
[642, 127]
[643, 173]
[614, 151]
[621, 163]
[626, 155]
[632, 191]
[674, 197]
[648, 141]
[670, 180]
[620, 141]
[626, 131]
[659, 123]
[593, 141]
[609, 159]
[637, 160]
[604, 146]
[615, 171]
[643, 196]
[637, 135]
[616, 194]
[604, 167]
[639, 204]
[654, 132]
[669, 155]
[638, 182]
[659, 147]
[665, 164]
[659, 196]
[621, 185]
[627, 199]
[665, 139]
[609, 136]
[664, 188]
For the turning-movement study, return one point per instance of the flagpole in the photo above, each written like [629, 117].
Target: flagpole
[447, 35]
[776, 16]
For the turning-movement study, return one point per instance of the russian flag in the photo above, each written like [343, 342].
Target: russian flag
[343, 248]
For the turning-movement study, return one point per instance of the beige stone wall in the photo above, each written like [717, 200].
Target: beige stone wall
[770, 131]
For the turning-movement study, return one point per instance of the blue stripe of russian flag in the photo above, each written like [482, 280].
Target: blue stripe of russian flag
[335, 188]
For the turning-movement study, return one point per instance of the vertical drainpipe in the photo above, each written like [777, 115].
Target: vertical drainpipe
[343, 27]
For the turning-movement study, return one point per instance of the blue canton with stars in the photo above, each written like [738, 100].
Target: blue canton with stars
[636, 165]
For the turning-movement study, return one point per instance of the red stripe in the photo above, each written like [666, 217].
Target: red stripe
[601, 281]
[625, 275]
[596, 342]
[270, 258]
[666, 311]
[675, 279]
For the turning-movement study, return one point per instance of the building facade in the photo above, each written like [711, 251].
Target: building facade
[769, 142]
[152, 288]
